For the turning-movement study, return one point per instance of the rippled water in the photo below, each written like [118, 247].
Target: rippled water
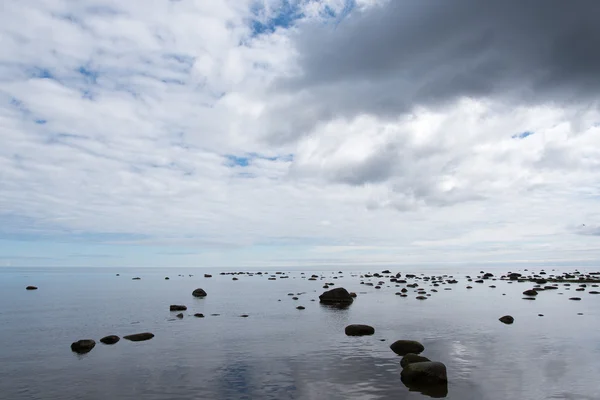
[279, 352]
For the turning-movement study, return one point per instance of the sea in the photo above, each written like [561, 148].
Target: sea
[281, 352]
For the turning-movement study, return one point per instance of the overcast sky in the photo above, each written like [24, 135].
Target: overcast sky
[240, 133]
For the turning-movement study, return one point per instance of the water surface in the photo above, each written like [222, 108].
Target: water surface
[279, 352]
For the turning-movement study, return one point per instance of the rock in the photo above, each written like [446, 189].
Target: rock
[199, 315]
[207, 275]
[199, 293]
[507, 319]
[111, 339]
[359, 330]
[403, 347]
[300, 308]
[139, 337]
[530, 292]
[421, 298]
[180, 315]
[244, 316]
[352, 294]
[575, 298]
[294, 298]
[177, 307]
[594, 292]
[31, 288]
[336, 296]
[426, 372]
[528, 298]
[137, 278]
[411, 358]
[83, 346]
[166, 278]
[540, 315]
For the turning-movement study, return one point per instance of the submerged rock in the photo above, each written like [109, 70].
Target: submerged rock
[199, 293]
[139, 337]
[111, 339]
[403, 347]
[31, 288]
[336, 296]
[359, 330]
[177, 307]
[199, 315]
[411, 358]
[507, 319]
[83, 346]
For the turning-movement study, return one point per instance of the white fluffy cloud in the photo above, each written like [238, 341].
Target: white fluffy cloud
[167, 124]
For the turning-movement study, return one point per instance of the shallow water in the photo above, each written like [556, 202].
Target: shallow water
[279, 352]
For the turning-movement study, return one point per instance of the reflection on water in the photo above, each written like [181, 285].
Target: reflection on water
[279, 352]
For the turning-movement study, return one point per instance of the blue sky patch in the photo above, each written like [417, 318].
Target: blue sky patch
[522, 135]
[288, 13]
[246, 159]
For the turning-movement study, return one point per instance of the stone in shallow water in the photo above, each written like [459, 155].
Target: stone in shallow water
[199, 293]
[411, 358]
[199, 315]
[177, 307]
[31, 288]
[359, 330]
[139, 337]
[426, 372]
[83, 346]
[336, 296]
[403, 347]
[111, 339]
[507, 319]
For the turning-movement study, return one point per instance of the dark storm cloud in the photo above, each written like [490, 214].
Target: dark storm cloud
[391, 58]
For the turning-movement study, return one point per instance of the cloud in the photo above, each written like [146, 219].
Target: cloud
[254, 132]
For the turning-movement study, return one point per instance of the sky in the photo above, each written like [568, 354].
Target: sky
[249, 133]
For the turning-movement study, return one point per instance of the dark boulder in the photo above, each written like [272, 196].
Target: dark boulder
[199, 315]
[530, 292]
[180, 315]
[575, 298]
[359, 330]
[31, 288]
[139, 337]
[336, 296]
[199, 293]
[403, 347]
[177, 307]
[83, 346]
[300, 308]
[507, 319]
[411, 358]
[426, 372]
[111, 339]
[207, 275]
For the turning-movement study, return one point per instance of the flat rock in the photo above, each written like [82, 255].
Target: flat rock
[177, 307]
[83, 346]
[139, 337]
[359, 330]
[403, 347]
[110, 339]
[530, 292]
[31, 288]
[199, 315]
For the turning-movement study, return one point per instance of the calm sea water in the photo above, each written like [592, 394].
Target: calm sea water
[279, 352]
